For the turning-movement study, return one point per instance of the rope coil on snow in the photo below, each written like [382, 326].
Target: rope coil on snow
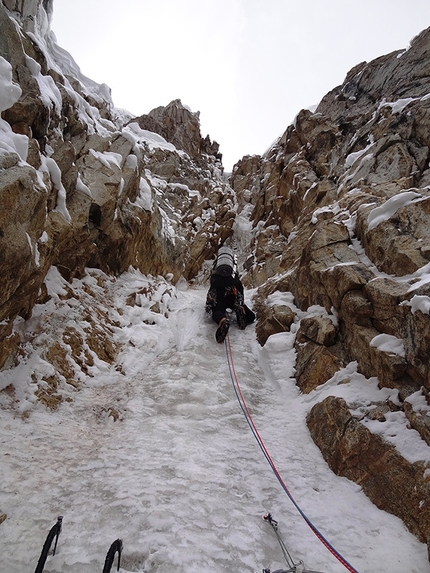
[260, 442]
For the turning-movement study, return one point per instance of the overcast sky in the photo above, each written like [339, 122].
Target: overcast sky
[248, 66]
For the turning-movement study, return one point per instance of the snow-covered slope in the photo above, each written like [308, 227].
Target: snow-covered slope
[154, 449]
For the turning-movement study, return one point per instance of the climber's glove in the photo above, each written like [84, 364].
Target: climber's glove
[210, 300]
[239, 300]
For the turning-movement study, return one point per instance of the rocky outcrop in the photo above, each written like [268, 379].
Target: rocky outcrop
[340, 211]
[180, 126]
[344, 201]
[387, 478]
[273, 319]
[84, 185]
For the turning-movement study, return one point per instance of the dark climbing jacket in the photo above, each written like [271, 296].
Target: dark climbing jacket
[224, 291]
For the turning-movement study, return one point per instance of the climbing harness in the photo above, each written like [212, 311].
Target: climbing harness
[260, 442]
[53, 533]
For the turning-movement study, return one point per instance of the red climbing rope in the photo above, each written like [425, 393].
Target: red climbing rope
[257, 436]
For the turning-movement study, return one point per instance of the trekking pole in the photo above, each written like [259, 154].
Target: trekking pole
[116, 547]
[284, 548]
[292, 567]
[54, 532]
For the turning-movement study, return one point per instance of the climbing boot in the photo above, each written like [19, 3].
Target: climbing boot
[221, 333]
[241, 317]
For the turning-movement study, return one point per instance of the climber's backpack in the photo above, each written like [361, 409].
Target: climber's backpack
[225, 264]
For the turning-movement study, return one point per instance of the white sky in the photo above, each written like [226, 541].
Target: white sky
[248, 66]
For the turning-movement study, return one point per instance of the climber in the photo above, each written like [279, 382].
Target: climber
[226, 292]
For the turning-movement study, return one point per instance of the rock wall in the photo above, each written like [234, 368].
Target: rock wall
[386, 477]
[85, 185]
[340, 214]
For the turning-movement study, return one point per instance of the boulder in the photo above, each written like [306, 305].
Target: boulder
[272, 320]
[388, 479]
[318, 329]
[318, 356]
[316, 364]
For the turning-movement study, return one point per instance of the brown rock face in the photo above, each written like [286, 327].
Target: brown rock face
[390, 481]
[340, 215]
[318, 356]
[180, 126]
[272, 320]
[95, 188]
[318, 329]
[344, 200]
